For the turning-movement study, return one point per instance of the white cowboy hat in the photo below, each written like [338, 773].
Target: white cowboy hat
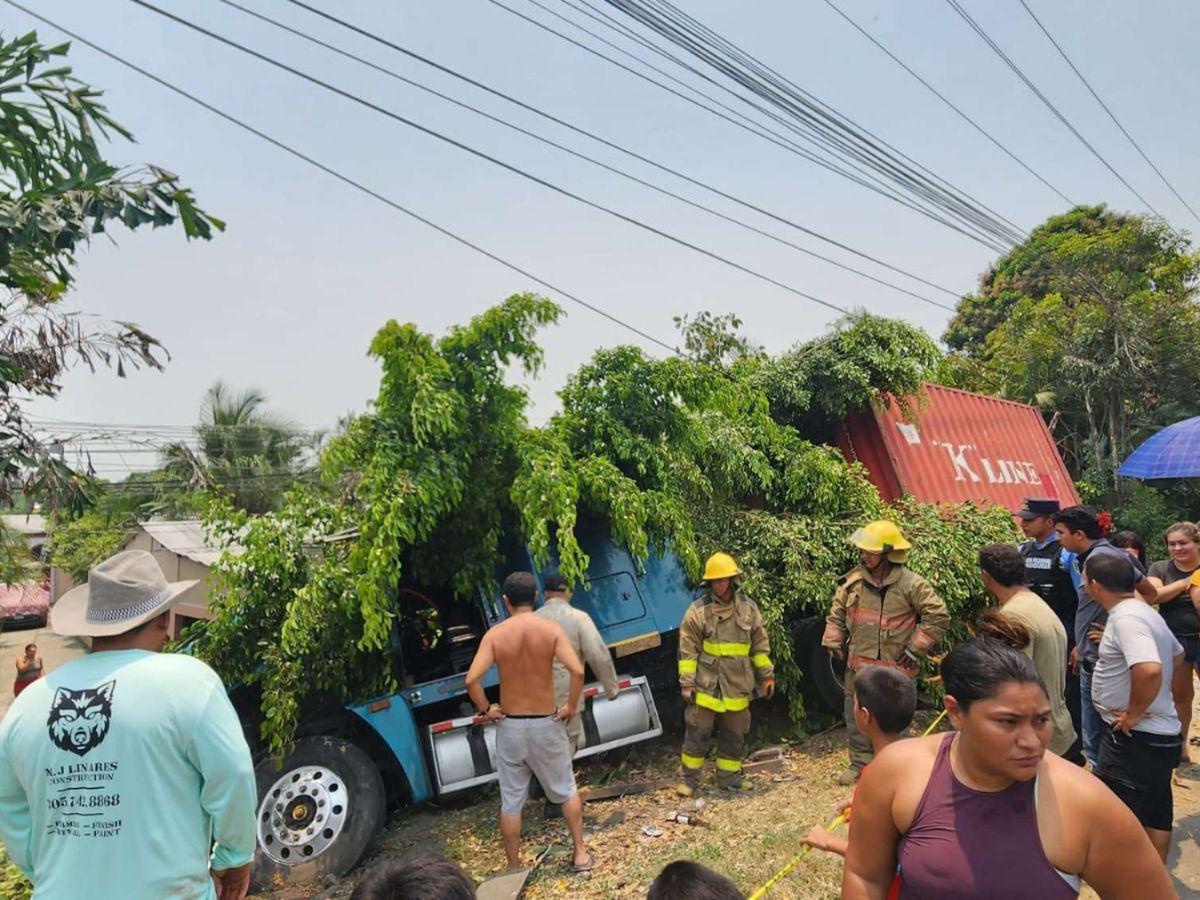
[121, 593]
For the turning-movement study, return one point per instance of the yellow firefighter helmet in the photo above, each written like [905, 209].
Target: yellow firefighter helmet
[720, 565]
[882, 536]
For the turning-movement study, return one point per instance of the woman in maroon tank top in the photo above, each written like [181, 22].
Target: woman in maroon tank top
[985, 812]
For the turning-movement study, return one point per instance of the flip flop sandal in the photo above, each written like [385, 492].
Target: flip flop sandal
[584, 867]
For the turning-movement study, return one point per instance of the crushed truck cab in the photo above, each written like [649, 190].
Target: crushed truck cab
[320, 809]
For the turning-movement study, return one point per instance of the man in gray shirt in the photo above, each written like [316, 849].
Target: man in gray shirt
[1131, 688]
[585, 640]
[1079, 532]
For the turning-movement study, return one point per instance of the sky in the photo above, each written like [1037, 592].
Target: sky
[287, 299]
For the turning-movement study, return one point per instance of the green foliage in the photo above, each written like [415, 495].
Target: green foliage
[1149, 510]
[428, 471]
[862, 359]
[1092, 319]
[243, 451]
[57, 191]
[714, 340]
[13, 885]
[80, 543]
[16, 562]
[679, 454]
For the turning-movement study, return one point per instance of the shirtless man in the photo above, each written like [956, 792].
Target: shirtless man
[531, 735]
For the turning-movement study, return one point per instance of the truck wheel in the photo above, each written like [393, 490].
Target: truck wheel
[826, 674]
[317, 813]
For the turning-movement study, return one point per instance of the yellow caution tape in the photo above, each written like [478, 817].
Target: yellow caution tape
[934, 724]
[833, 826]
[794, 861]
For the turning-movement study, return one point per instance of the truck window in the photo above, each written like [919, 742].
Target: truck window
[436, 634]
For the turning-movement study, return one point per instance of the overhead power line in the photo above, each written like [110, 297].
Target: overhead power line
[768, 106]
[854, 170]
[832, 129]
[591, 135]
[947, 101]
[1104, 106]
[345, 179]
[919, 201]
[578, 155]
[516, 170]
[740, 120]
[983, 35]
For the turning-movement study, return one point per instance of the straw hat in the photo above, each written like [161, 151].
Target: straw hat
[121, 593]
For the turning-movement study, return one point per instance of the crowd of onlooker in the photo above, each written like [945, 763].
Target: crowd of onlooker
[1069, 712]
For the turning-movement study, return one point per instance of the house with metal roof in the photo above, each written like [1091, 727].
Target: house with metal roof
[184, 551]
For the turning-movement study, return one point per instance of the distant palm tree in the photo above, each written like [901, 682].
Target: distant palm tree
[241, 450]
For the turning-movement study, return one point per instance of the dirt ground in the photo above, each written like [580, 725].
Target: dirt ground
[53, 650]
[748, 838]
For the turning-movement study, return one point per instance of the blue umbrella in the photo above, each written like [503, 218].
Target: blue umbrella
[1172, 453]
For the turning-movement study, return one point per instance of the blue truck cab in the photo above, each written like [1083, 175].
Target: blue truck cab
[318, 810]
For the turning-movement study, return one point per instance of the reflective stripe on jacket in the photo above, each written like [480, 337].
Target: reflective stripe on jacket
[723, 652]
[876, 624]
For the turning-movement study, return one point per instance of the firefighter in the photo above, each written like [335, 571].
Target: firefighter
[883, 614]
[724, 653]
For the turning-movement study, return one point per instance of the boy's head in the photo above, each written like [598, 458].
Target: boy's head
[884, 701]
[687, 880]
[429, 876]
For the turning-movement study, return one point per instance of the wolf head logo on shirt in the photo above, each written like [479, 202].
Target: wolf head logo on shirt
[79, 720]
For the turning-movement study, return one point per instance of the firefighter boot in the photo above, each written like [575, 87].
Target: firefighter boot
[697, 732]
[732, 728]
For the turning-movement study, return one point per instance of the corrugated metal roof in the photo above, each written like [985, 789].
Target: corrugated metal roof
[961, 446]
[186, 537]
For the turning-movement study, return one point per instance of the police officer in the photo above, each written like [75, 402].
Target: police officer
[1048, 574]
[724, 652]
[883, 614]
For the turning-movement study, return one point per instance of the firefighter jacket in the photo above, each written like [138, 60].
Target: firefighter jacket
[876, 625]
[723, 652]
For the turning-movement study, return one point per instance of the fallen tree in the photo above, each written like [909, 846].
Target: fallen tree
[681, 454]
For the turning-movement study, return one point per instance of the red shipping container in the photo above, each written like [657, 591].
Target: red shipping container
[960, 446]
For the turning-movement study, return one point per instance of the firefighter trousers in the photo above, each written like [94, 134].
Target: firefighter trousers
[861, 751]
[732, 728]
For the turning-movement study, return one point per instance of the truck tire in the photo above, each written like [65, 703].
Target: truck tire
[316, 813]
[825, 673]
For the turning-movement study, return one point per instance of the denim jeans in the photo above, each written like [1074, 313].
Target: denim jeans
[1092, 723]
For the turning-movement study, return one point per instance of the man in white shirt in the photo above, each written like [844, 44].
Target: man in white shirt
[1131, 689]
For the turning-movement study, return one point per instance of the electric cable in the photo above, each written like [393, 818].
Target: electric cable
[947, 101]
[516, 170]
[1104, 106]
[578, 155]
[345, 179]
[983, 35]
[830, 126]
[609, 143]
[883, 191]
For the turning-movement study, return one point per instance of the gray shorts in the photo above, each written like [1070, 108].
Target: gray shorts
[528, 747]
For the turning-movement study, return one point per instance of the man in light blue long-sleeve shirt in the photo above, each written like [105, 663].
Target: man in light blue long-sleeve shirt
[125, 774]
